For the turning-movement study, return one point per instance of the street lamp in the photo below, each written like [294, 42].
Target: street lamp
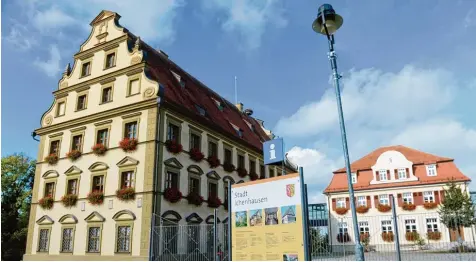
[327, 23]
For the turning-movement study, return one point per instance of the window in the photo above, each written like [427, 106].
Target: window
[279, 173]
[383, 199]
[408, 198]
[261, 171]
[67, 240]
[106, 95]
[173, 133]
[212, 149]
[252, 167]
[49, 189]
[61, 109]
[98, 183]
[241, 161]
[402, 173]
[81, 104]
[43, 241]
[102, 136]
[432, 225]
[134, 87]
[86, 69]
[228, 156]
[271, 172]
[77, 143]
[127, 179]
[386, 226]
[354, 178]
[72, 188]
[94, 239]
[382, 175]
[340, 202]
[342, 227]
[123, 239]
[201, 110]
[194, 185]
[212, 189]
[171, 180]
[410, 225]
[130, 130]
[364, 227]
[431, 170]
[195, 141]
[362, 201]
[428, 197]
[110, 60]
[54, 147]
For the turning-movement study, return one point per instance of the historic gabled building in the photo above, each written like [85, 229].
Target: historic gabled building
[130, 135]
[416, 180]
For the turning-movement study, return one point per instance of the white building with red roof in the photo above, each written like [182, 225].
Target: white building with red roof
[416, 180]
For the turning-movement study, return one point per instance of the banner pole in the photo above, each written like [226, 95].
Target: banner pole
[230, 220]
[304, 216]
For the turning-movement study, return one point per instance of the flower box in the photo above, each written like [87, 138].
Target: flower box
[241, 172]
[228, 167]
[412, 236]
[196, 155]
[408, 206]
[343, 237]
[195, 199]
[213, 161]
[51, 159]
[430, 205]
[387, 236]
[73, 154]
[99, 149]
[214, 202]
[96, 197]
[384, 208]
[262, 176]
[46, 202]
[433, 235]
[341, 210]
[173, 147]
[69, 200]
[362, 209]
[126, 193]
[128, 144]
[253, 176]
[364, 237]
[173, 195]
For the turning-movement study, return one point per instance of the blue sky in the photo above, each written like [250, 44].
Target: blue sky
[408, 69]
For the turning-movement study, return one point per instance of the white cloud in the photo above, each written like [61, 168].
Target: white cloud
[248, 18]
[50, 67]
[20, 37]
[469, 19]
[52, 18]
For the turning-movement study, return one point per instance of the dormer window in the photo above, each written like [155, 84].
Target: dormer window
[182, 83]
[431, 170]
[402, 173]
[382, 175]
[238, 130]
[201, 110]
[252, 128]
[219, 104]
[354, 178]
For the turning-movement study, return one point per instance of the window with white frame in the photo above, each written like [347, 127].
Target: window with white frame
[431, 170]
[410, 225]
[428, 197]
[383, 199]
[340, 202]
[342, 227]
[408, 198]
[382, 175]
[364, 227]
[386, 226]
[432, 225]
[362, 201]
[354, 178]
[402, 173]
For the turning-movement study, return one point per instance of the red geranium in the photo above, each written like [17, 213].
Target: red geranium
[228, 167]
[213, 161]
[73, 154]
[99, 149]
[214, 202]
[253, 176]
[128, 144]
[126, 193]
[96, 197]
[241, 172]
[52, 159]
[173, 195]
[195, 199]
[69, 200]
[173, 147]
[196, 155]
[46, 202]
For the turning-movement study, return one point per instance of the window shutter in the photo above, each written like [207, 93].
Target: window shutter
[334, 204]
[376, 201]
[347, 202]
[442, 196]
[396, 173]
[369, 202]
[399, 200]
[408, 172]
[437, 197]
[377, 177]
[419, 199]
[388, 174]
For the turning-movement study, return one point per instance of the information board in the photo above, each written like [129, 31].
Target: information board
[267, 219]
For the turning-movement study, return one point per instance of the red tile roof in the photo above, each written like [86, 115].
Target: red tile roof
[194, 93]
[446, 170]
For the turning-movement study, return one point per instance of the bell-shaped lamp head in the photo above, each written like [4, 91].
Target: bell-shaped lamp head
[328, 17]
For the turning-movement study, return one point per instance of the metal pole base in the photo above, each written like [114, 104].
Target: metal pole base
[359, 252]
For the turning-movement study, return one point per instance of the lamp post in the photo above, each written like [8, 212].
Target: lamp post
[327, 23]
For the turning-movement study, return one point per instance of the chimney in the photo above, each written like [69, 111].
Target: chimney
[240, 106]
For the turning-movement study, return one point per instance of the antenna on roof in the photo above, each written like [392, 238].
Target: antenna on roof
[236, 90]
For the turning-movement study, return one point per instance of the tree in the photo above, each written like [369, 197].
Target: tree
[18, 173]
[457, 208]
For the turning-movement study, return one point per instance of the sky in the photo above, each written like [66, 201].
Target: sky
[408, 69]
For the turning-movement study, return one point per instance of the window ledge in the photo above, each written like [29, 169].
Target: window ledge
[84, 76]
[106, 68]
[375, 182]
[133, 94]
[106, 102]
[82, 109]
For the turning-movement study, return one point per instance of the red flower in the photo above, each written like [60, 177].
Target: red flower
[126, 193]
[214, 202]
[99, 149]
[341, 210]
[430, 205]
[412, 236]
[46, 202]
[69, 200]
[128, 144]
[384, 208]
[362, 209]
[173, 195]
[73, 154]
[253, 176]
[196, 155]
[241, 172]
[96, 197]
[387, 236]
[52, 159]
[434, 235]
[173, 147]
[195, 199]
[213, 161]
[228, 167]
[408, 206]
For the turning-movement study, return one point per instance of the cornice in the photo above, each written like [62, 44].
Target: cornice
[106, 45]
